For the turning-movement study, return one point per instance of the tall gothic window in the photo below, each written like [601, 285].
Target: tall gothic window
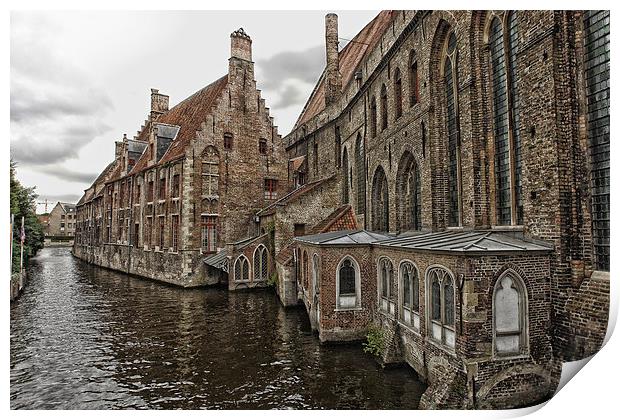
[260, 263]
[503, 46]
[360, 175]
[509, 315]
[409, 195]
[597, 48]
[373, 117]
[242, 269]
[410, 284]
[210, 172]
[454, 141]
[348, 284]
[441, 305]
[398, 93]
[337, 147]
[345, 176]
[380, 202]
[386, 288]
[384, 108]
[305, 270]
[414, 80]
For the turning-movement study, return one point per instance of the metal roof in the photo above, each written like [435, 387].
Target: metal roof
[471, 241]
[219, 260]
[344, 237]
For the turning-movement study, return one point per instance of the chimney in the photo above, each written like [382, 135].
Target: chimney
[159, 103]
[333, 79]
[240, 45]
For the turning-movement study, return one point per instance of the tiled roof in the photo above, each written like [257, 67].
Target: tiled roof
[349, 60]
[474, 241]
[344, 237]
[188, 115]
[297, 162]
[296, 193]
[285, 254]
[343, 218]
[219, 260]
[91, 192]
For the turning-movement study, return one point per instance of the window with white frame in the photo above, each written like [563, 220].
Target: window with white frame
[260, 263]
[242, 269]
[348, 284]
[440, 284]
[509, 316]
[386, 301]
[410, 285]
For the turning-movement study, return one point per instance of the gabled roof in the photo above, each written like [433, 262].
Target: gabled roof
[349, 60]
[343, 218]
[91, 192]
[344, 237]
[188, 114]
[465, 242]
[296, 193]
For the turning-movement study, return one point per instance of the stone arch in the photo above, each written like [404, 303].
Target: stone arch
[380, 201]
[535, 370]
[408, 194]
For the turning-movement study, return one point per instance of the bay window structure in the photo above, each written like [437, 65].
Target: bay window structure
[348, 294]
[387, 302]
[451, 86]
[208, 240]
[440, 308]
[242, 269]
[410, 285]
[260, 263]
[503, 45]
[509, 316]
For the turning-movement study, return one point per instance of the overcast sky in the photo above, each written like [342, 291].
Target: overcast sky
[79, 80]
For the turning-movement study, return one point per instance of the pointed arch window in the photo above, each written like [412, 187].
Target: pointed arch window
[510, 316]
[384, 108]
[414, 81]
[409, 194]
[315, 274]
[387, 291]
[345, 176]
[373, 117]
[453, 130]
[348, 289]
[260, 263]
[242, 269]
[360, 175]
[305, 270]
[410, 284]
[380, 202]
[398, 93]
[440, 283]
[503, 47]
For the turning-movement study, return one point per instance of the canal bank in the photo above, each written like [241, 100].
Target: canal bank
[90, 338]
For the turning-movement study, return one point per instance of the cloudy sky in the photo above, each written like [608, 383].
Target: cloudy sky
[79, 80]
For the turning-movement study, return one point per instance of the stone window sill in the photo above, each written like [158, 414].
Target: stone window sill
[352, 309]
[510, 357]
[441, 346]
[410, 328]
[509, 228]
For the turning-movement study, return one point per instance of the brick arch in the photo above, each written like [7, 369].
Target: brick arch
[497, 379]
[508, 267]
[408, 193]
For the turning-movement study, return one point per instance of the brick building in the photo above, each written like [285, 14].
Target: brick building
[479, 142]
[61, 220]
[189, 182]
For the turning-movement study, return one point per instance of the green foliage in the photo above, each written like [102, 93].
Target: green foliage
[273, 279]
[375, 341]
[23, 203]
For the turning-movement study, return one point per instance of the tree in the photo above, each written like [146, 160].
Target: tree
[23, 203]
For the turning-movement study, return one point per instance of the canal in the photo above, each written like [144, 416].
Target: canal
[88, 338]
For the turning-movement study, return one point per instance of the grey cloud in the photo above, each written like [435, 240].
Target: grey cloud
[290, 95]
[305, 65]
[67, 174]
[52, 199]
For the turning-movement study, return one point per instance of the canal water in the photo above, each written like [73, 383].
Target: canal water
[88, 338]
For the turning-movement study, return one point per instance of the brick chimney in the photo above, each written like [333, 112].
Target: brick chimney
[159, 103]
[333, 79]
[240, 45]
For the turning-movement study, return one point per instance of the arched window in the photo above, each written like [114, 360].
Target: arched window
[305, 270]
[360, 175]
[260, 263]
[398, 94]
[509, 315]
[503, 45]
[414, 80]
[409, 195]
[210, 171]
[345, 176]
[337, 147]
[386, 289]
[380, 202]
[452, 124]
[242, 269]
[410, 284]
[384, 108]
[348, 291]
[441, 305]
[315, 274]
[373, 117]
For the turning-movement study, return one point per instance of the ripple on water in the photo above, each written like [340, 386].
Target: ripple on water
[89, 338]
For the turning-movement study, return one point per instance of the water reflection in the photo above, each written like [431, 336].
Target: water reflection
[88, 338]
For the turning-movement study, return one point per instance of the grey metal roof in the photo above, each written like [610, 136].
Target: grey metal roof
[473, 241]
[219, 260]
[344, 237]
